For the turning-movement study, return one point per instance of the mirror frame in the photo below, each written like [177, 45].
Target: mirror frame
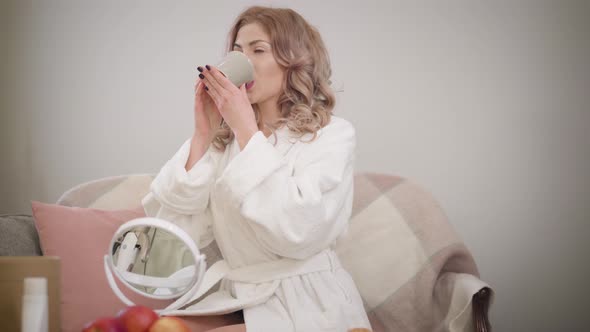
[200, 263]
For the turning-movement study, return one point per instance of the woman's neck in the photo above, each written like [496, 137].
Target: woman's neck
[269, 113]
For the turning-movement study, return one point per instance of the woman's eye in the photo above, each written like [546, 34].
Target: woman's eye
[258, 51]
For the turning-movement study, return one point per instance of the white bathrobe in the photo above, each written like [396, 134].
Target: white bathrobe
[275, 211]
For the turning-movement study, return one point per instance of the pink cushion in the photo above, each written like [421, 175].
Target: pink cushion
[80, 237]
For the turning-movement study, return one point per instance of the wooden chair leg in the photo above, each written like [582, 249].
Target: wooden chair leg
[481, 303]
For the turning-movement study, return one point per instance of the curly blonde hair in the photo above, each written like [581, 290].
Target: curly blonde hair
[307, 99]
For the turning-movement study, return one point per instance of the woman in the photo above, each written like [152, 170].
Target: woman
[268, 175]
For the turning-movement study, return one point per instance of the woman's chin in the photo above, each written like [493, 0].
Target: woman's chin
[251, 97]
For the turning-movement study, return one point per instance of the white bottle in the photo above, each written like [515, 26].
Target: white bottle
[35, 305]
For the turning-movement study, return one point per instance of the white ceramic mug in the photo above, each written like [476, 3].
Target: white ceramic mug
[237, 68]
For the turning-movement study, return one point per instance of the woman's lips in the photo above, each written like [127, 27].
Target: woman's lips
[249, 85]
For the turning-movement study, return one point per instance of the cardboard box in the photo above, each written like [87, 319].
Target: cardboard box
[13, 271]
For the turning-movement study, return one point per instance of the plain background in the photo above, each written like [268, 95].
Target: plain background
[485, 104]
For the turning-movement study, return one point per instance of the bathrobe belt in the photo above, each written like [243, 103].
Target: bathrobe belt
[284, 268]
[267, 274]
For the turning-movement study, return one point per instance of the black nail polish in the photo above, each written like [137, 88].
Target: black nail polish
[201, 76]
[200, 69]
[206, 88]
[208, 68]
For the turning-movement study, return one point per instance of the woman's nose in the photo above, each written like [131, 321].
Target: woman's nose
[249, 56]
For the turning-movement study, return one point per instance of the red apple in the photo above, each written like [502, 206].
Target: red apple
[137, 318]
[169, 324]
[104, 324]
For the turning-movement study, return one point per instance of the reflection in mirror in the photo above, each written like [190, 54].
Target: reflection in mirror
[153, 260]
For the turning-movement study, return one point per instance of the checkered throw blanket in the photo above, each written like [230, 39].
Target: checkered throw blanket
[410, 266]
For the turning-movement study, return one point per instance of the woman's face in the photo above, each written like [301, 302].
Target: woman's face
[268, 75]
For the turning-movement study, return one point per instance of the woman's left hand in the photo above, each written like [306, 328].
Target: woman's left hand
[233, 104]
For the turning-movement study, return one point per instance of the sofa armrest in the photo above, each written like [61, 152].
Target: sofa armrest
[18, 236]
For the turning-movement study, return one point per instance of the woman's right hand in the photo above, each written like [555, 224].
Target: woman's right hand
[207, 120]
[207, 116]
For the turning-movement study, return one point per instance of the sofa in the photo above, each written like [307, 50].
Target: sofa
[412, 269]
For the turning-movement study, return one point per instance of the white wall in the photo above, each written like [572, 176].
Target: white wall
[15, 134]
[483, 103]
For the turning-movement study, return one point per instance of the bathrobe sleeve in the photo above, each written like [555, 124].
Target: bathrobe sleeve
[182, 197]
[295, 212]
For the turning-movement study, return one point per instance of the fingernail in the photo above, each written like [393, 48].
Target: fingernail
[200, 69]
[208, 68]
[201, 76]
[206, 88]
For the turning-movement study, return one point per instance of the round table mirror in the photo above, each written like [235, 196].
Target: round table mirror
[154, 258]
